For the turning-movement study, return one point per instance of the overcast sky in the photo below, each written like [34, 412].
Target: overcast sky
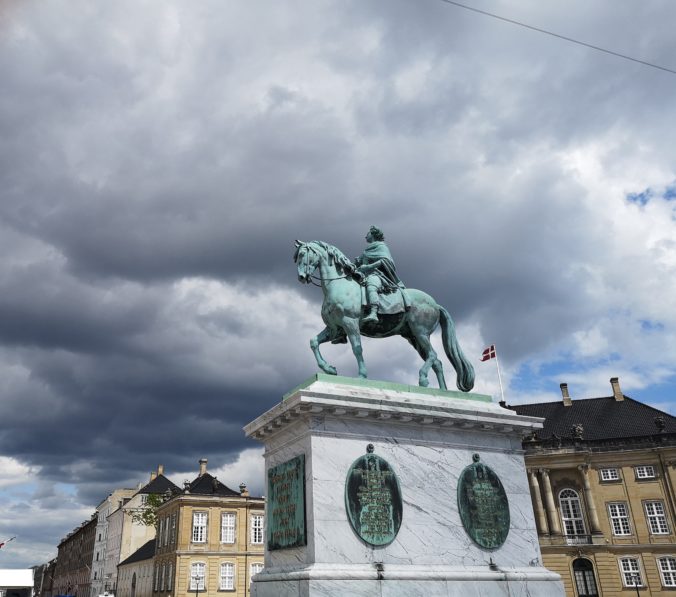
[158, 158]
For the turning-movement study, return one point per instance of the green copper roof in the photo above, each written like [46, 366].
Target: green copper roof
[386, 385]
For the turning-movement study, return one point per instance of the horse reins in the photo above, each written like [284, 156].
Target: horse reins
[312, 276]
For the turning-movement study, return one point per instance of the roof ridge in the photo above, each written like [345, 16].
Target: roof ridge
[657, 410]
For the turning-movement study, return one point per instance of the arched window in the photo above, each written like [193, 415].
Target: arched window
[197, 575]
[585, 583]
[571, 513]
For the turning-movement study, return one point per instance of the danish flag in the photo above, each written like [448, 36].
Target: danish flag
[3, 543]
[489, 353]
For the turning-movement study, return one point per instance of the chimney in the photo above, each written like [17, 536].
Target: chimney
[566, 396]
[244, 492]
[160, 469]
[153, 476]
[617, 392]
[203, 466]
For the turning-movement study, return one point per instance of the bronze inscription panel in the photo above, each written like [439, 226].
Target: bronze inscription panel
[483, 505]
[373, 499]
[286, 504]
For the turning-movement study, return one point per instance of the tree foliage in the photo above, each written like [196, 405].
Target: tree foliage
[147, 513]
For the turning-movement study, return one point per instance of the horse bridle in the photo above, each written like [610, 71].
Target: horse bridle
[311, 277]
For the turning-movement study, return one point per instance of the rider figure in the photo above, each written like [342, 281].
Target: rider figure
[377, 271]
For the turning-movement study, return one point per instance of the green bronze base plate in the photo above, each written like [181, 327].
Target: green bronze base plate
[387, 385]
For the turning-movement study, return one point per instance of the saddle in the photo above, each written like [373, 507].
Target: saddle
[391, 309]
[389, 303]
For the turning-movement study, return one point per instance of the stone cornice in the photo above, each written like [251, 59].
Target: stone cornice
[443, 409]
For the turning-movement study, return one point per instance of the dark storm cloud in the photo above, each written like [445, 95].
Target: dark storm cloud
[158, 162]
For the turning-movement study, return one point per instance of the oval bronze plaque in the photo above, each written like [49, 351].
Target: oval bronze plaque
[373, 499]
[483, 505]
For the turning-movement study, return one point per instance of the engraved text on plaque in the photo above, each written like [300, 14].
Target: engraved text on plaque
[373, 500]
[286, 505]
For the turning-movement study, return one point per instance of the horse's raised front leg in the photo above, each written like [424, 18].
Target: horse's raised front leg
[323, 336]
[425, 349]
[351, 327]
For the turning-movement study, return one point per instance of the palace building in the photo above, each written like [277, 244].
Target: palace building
[602, 474]
[209, 539]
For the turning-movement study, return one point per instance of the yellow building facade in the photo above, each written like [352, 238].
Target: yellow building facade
[210, 540]
[602, 474]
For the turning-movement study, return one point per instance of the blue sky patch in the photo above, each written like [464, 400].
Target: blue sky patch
[651, 326]
[640, 198]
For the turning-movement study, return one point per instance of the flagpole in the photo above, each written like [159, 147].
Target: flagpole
[497, 364]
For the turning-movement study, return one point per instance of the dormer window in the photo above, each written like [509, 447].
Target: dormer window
[646, 471]
[610, 474]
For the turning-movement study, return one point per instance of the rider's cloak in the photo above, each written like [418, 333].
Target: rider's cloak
[386, 271]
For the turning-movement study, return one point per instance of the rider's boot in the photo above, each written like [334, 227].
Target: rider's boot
[372, 317]
[372, 300]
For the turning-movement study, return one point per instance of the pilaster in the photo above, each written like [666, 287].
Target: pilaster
[540, 517]
[552, 515]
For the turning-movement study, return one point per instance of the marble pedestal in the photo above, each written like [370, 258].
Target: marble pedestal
[428, 437]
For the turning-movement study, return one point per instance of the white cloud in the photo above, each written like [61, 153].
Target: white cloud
[159, 160]
[12, 472]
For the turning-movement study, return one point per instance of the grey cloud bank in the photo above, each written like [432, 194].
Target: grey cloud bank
[158, 160]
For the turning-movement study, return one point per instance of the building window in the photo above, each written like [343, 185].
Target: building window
[163, 576]
[631, 572]
[228, 527]
[610, 474]
[256, 567]
[197, 574]
[667, 566]
[657, 519]
[170, 576]
[159, 532]
[199, 527]
[144, 499]
[583, 571]
[645, 472]
[571, 512]
[156, 580]
[173, 528]
[227, 578]
[166, 531]
[619, 518]
[257, 529]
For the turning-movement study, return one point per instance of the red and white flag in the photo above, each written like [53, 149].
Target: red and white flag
[3, 543]
[489, 353]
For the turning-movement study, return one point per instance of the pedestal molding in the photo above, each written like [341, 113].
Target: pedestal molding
[362, 403]
[418, 442]
[393, 573]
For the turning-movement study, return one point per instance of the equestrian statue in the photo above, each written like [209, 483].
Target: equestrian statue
[367, 298]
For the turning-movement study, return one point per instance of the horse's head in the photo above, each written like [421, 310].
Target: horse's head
[306, 259]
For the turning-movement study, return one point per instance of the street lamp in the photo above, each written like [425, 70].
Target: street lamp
[197, 577]
[636, 579]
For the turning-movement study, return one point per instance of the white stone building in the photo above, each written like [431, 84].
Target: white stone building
[114, 501]
[135, 574]
[125, 536]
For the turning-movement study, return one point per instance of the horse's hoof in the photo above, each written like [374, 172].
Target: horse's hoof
[331, 370]
[424, 383]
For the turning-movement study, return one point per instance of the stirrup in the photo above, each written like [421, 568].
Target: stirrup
[372, 315]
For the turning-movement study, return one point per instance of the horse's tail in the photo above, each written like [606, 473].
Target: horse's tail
[463, 368]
